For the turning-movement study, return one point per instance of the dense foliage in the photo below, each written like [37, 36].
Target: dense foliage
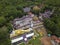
[53, 24]
[10, 9]
[4, 36]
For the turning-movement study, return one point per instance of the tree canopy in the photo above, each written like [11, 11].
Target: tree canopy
[10, 9]
[53, 24]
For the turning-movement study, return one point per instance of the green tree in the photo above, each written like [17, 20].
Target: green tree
[2, 21]
[9, 27]
[53, 24]
[4, 36]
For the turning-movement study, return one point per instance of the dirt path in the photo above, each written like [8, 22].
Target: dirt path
[45, 40]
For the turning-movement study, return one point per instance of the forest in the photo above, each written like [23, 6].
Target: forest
[10, 9]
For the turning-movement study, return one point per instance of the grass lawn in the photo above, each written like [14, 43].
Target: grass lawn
[22, 44]
[34, 42]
